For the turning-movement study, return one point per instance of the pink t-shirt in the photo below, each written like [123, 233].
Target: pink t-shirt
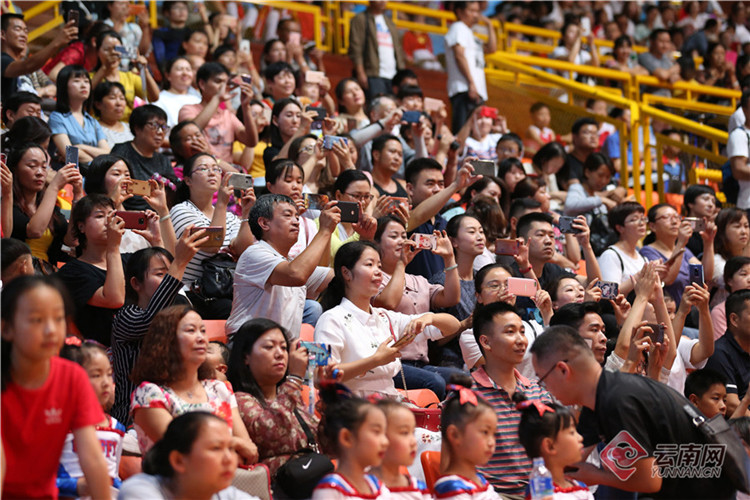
[220, 131]
[719, 319]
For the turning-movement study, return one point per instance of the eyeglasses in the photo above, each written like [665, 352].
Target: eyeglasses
[541, 379]
[494, 286]
[639, 220]
[366, 198]
[158, 126]
[667, 217]
[205, 169]
[307, 149]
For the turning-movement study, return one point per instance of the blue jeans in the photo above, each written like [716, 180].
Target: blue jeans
[434, 378]
[312, 312]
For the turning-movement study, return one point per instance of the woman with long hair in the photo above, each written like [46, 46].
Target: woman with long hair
[352, 104]
[172, 379]
[288, 122]
[732, 240]
[546, 163]
[361, 336]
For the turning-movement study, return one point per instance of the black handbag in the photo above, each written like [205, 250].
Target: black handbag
[601, 235]
[302, 472]
[217, 281]
[716, 430]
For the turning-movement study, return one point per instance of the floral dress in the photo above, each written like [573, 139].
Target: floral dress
[220, 402]
[274, 428]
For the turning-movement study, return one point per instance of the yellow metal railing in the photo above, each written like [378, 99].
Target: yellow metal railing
[42, 7]
[684, 104]
[692, 90]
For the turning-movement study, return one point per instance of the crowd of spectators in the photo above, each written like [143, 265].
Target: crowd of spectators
[156, 178]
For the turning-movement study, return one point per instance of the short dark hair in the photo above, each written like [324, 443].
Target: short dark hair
[736, 303]
[101, 91]
[710, 24]
[537, 106]
[553, 285]
[209, 70]
[137, 268]
[142, 114]
[582, 122]
[274, 69]
[700, 381]
[485, 315]
[595, 161]
[6, 17]
[97, 171]
[347, 177]
[482, 274]
[402, 75]
[732, 266]
[727, 216]
[693, 192]
[617, 215]
[264, 207]
[409, 91]
[507, 165]
[82, 210]
[744, 98]
[221, 50]
[11, 250]
[560, 342]
[511, 137]
[416, 167]
[281, 167]
[174, 140]
[19, 98]
[521, 205]
[525, 222]
[380, 141]
[572, 314]
[655, 34]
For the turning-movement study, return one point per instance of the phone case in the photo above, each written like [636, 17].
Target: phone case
[330, 140]
[215, 236]
[506, 247]
[425, 241]
[658, 332]
[411, 116]
[395, 201]
[315, 201]
[697, 224]
[314, 76]
[319, 353]
[566, 225]
[522, 287]
[483, 167]
[349, 211]
[696, 273]
[609, 289]
[139, 187]
[71, 155]
[133, 220]
[240, 181]
[320, 111]
[431, 104]
[245, 46]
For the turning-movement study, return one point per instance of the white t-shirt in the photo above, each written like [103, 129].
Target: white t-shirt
[386, 54]
[616, 271]
[255, 298]
[682, 363]
[155, 487]
[354, 334]
[484, 149]
[561, 52]
[471, 352]
[736, 119]
[172, 103]
[460, 34]
[737, 145]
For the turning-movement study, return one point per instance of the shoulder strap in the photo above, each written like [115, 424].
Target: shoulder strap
[308, 433]
[622, 264]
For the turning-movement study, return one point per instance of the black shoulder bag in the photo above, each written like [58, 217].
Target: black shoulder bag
[302, 472]
[217, 281]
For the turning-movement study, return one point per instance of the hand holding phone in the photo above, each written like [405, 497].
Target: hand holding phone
[566, 225]
[411, 116]
[696, 274]
[133, 220]
[483, 167]
[506, 247]
[522, 287]
[657, 333]
[71, 155]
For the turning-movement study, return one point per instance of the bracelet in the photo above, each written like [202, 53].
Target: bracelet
[296, 378]
[244, 220]
[524, 271]
[166, 217]
[454, 266]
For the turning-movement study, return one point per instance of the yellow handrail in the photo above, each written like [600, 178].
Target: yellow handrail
[38, 9]
[319, 20]
[692, 89]
[700, 106]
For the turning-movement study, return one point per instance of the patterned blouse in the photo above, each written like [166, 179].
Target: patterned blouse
[220, 402]
[274, 428]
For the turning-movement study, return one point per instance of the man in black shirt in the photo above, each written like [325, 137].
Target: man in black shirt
[639, 418]
[585, 141]
[149, 126]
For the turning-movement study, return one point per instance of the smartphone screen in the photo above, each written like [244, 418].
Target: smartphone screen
[71, 155]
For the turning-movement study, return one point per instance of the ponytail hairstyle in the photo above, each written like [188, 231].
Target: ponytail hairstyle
[82, 354]
[342, 410]
[346, 256]
[459, 407]
[540, 421]
[180, 436]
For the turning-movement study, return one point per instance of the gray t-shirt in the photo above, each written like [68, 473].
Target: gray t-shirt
[651, 62]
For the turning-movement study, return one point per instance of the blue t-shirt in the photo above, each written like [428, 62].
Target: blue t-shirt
[677, 288]
[65, 123]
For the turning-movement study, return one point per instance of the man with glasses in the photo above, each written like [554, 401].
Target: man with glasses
[148, 124]
[619, 262]
[219, 123]
[585, 133]
[635, 415]
[499, 332]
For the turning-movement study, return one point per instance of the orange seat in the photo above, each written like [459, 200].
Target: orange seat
[215, 329]
[431, 467]
[421, 397]
[129, 466]
[307, 333]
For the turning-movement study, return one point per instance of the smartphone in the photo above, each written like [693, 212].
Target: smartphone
[698, 224]
[351, 124]
[349, 211]
[247, 79]
[431, 104]
[319, 353]
[295, 38]
[566, 225]
[425, 241]
[404, 341]
[411, 116]
[245, 46]
[696, 274]
[140, 188]
[74, 15]
[657, 334]
[395, 202]
[315, 201]
[71, 155]
[488, 112]
[506, 247]
[123, 51]
[314, 76]
[330, 140]
[321, 113]
[240, 181]
[215, 236]
[522, 287]
[609, 289]
[3, 158]
[133, 220]
[136, 9]
[483, 167]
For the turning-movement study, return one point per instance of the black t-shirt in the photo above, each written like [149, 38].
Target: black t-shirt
[400, 190]
[572, 169]
[695, 245]
[549, 273]
[652, 414]
[83, 280]
[426, 263]
[8, 86]
[732, 361]
[143, 168]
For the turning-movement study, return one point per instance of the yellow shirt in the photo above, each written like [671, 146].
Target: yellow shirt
[258, 168]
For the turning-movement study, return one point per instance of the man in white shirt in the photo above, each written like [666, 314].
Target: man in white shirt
[738, 148]
[267, 283]
[464, 59]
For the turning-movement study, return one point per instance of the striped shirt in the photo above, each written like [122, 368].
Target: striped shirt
[186, 213]
[508, 469]
[128, 330]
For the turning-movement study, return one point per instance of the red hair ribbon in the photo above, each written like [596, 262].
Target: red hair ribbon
[465, 394]
[537, 403]
[73, 340]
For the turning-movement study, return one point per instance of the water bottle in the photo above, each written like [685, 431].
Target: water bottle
[540, 481]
